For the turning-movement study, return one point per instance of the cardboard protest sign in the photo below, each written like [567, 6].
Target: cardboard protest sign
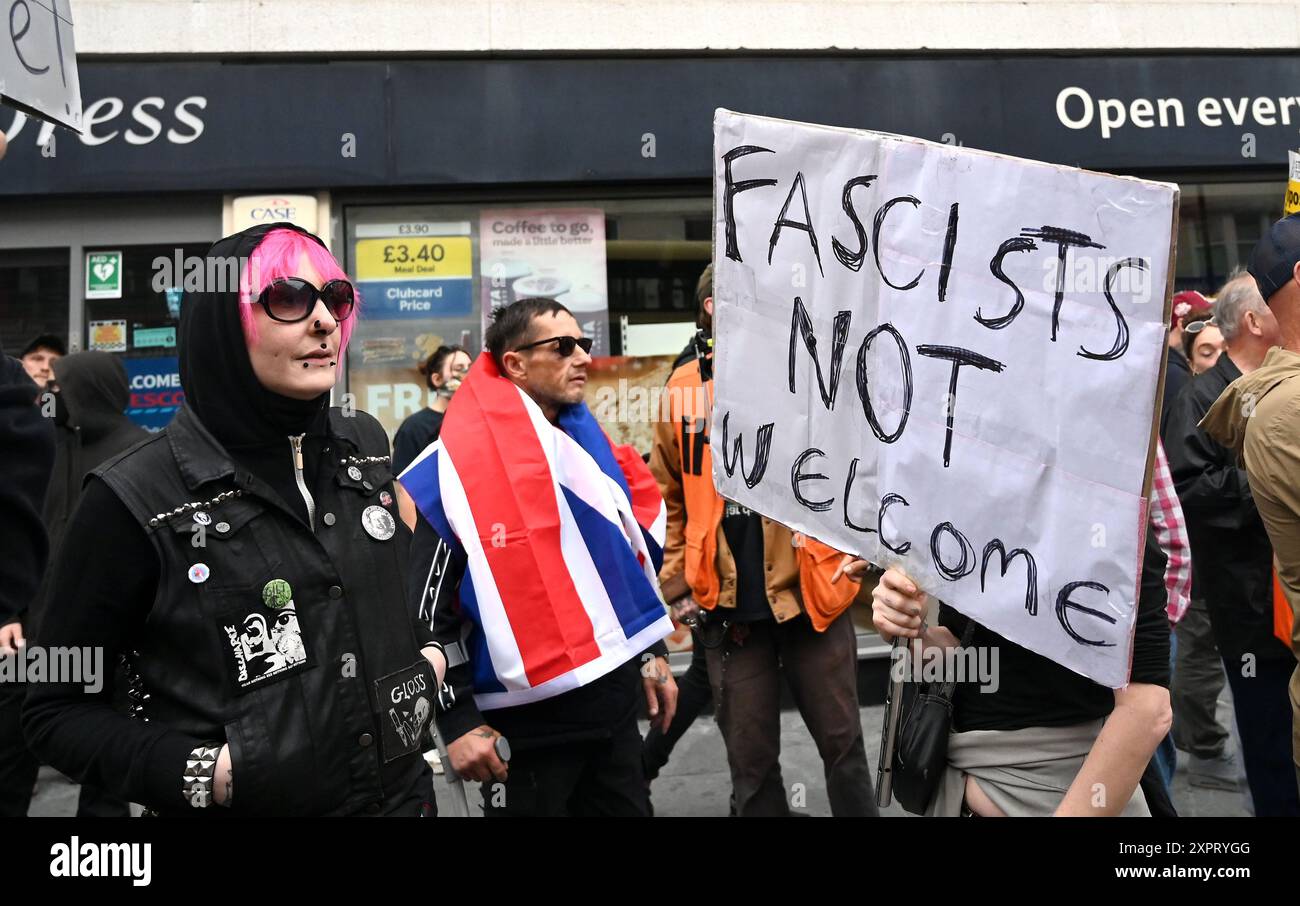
[947, 360]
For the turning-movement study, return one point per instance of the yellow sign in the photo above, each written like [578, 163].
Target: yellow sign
[1292, 204]
[108, 336]
[436, 257]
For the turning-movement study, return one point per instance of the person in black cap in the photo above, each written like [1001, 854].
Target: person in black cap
[1258, 418]
[26, 458]
[39, 356]
[247, 563]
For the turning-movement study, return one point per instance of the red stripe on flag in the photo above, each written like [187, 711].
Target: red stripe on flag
[507, 480]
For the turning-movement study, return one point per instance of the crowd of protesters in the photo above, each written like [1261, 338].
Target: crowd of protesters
[512, 586]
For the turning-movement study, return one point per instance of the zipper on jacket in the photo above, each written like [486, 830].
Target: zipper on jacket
[296, 444]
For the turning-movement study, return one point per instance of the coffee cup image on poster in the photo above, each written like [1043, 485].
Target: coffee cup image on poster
[548, 253]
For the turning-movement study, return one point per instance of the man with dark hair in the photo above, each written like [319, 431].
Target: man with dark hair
[696, 693]
[775, 607]
[1232, 556]
[1258, 418]
[535, 558]
[514, 323]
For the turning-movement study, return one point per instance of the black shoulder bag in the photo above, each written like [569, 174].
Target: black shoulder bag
[921, 756]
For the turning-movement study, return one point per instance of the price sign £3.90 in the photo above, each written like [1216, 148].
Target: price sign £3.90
[425, 277]
[1292, 204]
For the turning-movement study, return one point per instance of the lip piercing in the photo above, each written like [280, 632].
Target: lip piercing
[322, 345]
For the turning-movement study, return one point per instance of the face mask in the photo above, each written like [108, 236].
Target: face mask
[447, 390]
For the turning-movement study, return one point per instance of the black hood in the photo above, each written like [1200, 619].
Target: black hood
[93, 387]
[216, 373]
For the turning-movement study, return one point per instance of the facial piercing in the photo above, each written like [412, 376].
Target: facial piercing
[322, 345]
[305, 364]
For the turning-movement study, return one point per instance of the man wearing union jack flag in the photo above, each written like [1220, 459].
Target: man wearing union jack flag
[535, 559]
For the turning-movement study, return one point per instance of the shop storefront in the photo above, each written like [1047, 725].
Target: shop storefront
[585, 179]
[449, 187]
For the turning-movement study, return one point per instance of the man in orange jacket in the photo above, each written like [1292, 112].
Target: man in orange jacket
[773, 606]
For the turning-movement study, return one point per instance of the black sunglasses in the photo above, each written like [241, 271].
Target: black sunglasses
[563, 345]
[290, 299]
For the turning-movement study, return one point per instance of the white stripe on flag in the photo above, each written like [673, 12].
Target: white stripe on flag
[592, 670]
[578, 471]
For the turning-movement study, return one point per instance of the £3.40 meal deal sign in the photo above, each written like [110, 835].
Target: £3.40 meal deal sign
[949, 361]
[415, 277]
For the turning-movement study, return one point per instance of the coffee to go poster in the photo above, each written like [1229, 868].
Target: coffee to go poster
[552, 253]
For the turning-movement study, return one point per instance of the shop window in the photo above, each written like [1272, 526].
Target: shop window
[135, 313]
[429, 274]
[33, 296]
[1218, 225]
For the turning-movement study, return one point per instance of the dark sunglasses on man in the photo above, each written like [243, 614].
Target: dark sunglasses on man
[290, 299]
[563, 345]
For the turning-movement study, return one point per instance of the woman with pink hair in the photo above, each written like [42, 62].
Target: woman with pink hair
[258, 506]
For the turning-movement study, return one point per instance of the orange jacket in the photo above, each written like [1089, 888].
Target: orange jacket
[697, 559]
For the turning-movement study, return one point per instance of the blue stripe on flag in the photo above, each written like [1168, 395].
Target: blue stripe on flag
[485, 675]
[635, 602]
[578, 422]
[421, 482]
[656, 552]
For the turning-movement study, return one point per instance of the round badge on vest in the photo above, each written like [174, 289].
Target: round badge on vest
[354, 473]
[199, 573]
[277, 594]
[378, 523]
[202, 518]
[385, 498]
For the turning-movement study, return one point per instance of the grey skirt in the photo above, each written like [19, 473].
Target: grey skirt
[1024, 772]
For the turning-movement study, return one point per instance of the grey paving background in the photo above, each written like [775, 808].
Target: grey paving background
[696, 782]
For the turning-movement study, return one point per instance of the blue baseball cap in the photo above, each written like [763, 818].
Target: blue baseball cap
[1273, 260]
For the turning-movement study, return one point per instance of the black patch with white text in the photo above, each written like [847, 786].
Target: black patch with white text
[406, 700]
[262, 645]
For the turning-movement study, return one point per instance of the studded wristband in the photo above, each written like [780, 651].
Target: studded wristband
[200, 767]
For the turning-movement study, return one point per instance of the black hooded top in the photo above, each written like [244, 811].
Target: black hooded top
[252, 423]
[93, 393]
[216, 372]
[92, 429]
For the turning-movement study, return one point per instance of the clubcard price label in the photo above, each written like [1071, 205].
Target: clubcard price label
[415, 277]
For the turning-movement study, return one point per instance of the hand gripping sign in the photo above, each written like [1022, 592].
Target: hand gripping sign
[947, 360]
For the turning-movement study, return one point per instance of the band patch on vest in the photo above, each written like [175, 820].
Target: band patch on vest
[262, 645]
[406, 705]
